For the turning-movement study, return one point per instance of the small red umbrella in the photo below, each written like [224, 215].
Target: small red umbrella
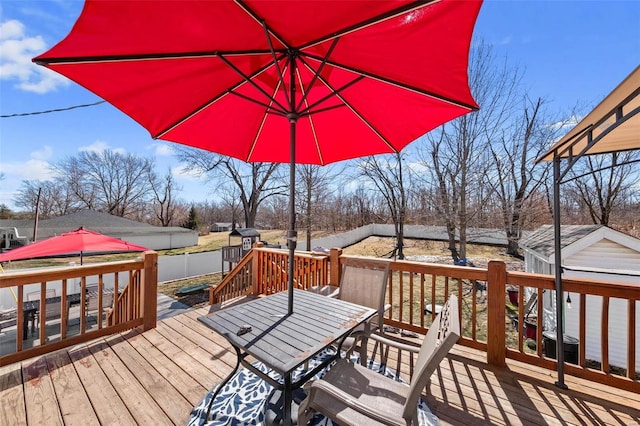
[71, 243]
[310, 82]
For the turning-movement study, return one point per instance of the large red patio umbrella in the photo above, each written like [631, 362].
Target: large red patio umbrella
[71, 243]
[311, 82]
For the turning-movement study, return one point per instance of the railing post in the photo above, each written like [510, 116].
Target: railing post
[256, 279]
[150, 290]
[496, 287]
[334, 266]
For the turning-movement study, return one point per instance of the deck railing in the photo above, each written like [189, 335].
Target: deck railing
[132, 285]
[488, 317]
[265, 271]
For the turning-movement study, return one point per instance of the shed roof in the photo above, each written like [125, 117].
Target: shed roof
[244, 232]
[574, 238]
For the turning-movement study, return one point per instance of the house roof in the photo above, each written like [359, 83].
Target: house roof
[101, 222]
[574, 238]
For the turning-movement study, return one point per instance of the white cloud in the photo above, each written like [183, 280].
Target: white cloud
[45, 153]
[16, 51]
[35, 168]
[162, 149]
[418, 167]
[570, 123]
[99, 147]
[181, 172]
[11, 29]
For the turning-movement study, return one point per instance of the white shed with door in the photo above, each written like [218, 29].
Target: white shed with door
[594, 252]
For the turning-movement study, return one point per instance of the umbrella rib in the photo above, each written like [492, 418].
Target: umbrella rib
[264, 119]
[259, 20]
[313, 127]
[315, 73]
[397, 84]
[161, 133]
[308, 109]
[144, 57]
[355, 111]
[371, 21]
[276, 62]
[249, 79]
[270, 108]
[308, 113]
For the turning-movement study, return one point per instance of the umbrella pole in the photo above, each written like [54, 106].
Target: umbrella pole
[558, 273]
[292, 234]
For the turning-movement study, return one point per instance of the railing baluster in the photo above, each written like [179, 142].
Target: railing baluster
[64, 314]
[582, 323]
[605, 334]
[631, 338]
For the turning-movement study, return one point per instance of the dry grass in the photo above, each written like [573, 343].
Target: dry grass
[437, 252]
[217, 240]
[432, 251]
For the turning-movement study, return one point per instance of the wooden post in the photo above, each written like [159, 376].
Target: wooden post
[256, 278]
[334, 266]
[496, 329]
[150, 290]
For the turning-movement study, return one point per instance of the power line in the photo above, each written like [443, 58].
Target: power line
[23, 114]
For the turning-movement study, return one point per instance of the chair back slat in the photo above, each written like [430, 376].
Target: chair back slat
[442, 335]
[364, 282]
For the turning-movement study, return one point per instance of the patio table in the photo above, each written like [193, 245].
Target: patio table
[284, 342]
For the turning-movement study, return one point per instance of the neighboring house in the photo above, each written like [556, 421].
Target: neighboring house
[153, 237]
[223, 227]
[593, 252]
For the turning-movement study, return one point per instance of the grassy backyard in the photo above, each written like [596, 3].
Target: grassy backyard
[417, 250]
[431, 251]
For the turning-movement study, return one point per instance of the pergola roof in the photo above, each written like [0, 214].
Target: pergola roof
[613, 125]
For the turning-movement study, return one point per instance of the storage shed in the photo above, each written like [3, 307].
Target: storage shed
[234, 252]
[593, 252]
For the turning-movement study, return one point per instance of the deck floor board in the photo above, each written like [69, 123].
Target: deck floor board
[155, 377]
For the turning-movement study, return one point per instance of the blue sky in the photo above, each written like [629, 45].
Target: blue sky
[572, 52]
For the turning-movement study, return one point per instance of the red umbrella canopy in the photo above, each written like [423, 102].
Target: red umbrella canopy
[355, 78]
[310, 82]
[75, 242]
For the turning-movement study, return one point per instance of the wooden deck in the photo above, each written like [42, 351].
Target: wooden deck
[156, 377]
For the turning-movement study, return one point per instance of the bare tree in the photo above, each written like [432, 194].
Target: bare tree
[56, 199]
[456, 155]
[108, 181]
[515, 178]
[275, 211]
[231, 203]
[256, 182]
[313, 183]
[165, 206]
[386, 174]
[599, 181]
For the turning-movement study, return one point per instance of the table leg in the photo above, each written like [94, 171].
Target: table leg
[25, 324]
[288, 396]
[223, 383]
